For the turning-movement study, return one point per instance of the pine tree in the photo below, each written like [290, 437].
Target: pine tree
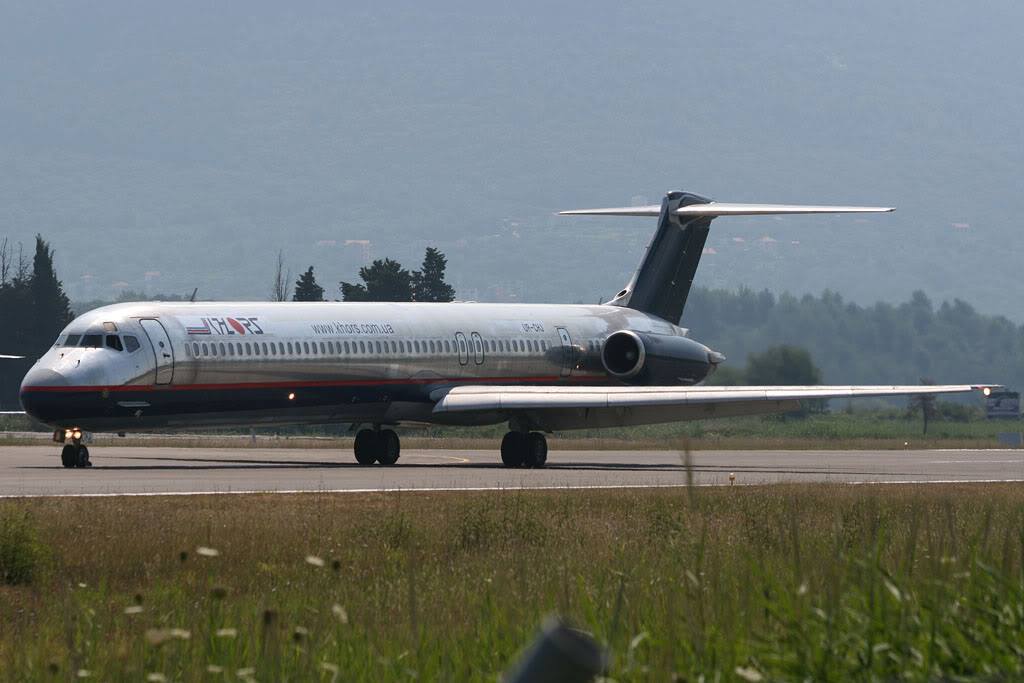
[306, 288]
[428, 283]
[51, 308]
[383, 280]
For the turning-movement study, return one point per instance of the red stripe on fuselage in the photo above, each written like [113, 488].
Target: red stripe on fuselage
[307, 384]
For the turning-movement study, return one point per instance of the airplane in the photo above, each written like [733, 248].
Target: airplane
[540, 368]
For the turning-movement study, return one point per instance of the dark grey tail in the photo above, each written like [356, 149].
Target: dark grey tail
[663, 280]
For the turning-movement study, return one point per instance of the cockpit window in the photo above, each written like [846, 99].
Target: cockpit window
[114, 342]
[72, 340]
[131, 343]
[92, 341]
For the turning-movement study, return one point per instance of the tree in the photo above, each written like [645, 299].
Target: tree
[781, 365]
[279, 290]
[786, 365]
[383, 280]
[428, 283]
[51, 310]
[33, 308]
[306, 288]
[924, 404]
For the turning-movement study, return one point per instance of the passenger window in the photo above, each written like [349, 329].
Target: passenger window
[114, 342]
[280, 348]
[447, 346]
[362, 347]
[256, 348]
[378, 346]
[305, 348]
[195, 349]
[345, 345]
[206, 350]
[213, 349]
[314, 348]
[416, 345]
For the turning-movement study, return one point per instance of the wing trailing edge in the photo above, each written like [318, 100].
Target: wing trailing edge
[716, 209]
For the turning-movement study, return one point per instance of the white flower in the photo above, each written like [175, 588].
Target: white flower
[207, 552]
[133, 609]
[314, 560]
[227, 632]
[340, 612]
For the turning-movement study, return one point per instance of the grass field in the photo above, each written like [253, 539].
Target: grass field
[779, 583]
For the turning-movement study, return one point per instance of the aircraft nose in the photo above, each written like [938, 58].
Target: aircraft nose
[34, 396]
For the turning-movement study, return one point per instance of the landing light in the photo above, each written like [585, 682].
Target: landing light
[291, 396]
[77, 434]
[987, 391]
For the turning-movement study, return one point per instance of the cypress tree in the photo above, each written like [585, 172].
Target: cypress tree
[306, 288]
[428, 283]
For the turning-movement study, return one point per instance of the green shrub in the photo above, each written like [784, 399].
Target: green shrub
[20, 550]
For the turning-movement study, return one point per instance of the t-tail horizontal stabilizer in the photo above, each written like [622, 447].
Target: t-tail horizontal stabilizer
[663, 280]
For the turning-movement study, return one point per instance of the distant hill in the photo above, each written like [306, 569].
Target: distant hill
[162, 147]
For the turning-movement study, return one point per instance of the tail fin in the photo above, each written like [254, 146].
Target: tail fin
[662, 282]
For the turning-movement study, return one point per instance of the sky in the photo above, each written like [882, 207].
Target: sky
[166, 146]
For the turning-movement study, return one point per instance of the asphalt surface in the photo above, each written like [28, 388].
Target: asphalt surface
[36, 470]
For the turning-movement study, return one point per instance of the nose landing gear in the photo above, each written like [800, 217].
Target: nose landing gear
[74, 454]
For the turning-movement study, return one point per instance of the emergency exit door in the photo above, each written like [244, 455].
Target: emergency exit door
[162, 351]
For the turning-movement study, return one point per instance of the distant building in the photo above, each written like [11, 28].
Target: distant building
[1003, 405]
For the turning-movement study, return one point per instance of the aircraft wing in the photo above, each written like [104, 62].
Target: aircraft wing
[715, 209]
[12, 412]
[566, 407]
[3, 355]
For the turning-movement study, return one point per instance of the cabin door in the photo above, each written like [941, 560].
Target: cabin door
[162, 350]
[567, 352]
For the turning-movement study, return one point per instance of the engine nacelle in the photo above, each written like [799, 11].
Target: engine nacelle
[645, 358]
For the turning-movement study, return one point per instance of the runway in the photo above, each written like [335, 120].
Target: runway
[36, 470]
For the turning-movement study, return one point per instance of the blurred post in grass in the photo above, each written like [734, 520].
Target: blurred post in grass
[560, 654]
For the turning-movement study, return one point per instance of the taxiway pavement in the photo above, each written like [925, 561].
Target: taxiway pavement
[36, 470]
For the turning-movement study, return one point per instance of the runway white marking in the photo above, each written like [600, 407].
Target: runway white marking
[511, 489]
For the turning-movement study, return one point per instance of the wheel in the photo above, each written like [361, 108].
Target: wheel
[366, 447]
[67, 456]
[513, 447]
[389, 447]
[82, 459]
[536, 452]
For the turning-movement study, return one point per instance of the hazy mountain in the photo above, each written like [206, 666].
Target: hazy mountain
[172, 145]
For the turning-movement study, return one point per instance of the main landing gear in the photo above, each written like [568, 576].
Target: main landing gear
[75, 453]
[524, 449]
[374, 445]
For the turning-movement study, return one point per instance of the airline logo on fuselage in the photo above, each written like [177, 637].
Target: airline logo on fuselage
[222, 326]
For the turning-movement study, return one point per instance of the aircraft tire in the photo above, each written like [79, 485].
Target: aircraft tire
[535, 454]
[389, 447]
[83, 457]
[366, 446]
[513, 449]
[67, 456]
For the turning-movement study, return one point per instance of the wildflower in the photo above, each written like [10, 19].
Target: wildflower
[340, 612]
[214, 669]
[207, 552]
[156, 677]
[84, 673]
[82, 585]
[133, 609]
[749, 674]
[327, 666]
[246, 672]
[314, 560]
[180, 633]
[227, 632]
